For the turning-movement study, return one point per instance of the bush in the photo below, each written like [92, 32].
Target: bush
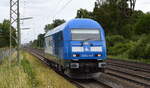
[141, 48]
[114, 39]
[121, 48]
[147, 51]
[115, 44]
[143, 26]
[127, 31]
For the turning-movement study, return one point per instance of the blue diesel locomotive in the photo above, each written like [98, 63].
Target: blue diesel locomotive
[79, 47]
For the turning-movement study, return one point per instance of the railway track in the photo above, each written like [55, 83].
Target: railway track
[136, 66]
[134, 72]
[47, 62]
[92, 83]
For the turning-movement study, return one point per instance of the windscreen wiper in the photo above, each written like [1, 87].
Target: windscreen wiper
[87, 39]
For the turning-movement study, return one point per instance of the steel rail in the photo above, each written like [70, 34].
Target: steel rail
[130, 64]
[111, 62]
[77, 83]
[127, 70]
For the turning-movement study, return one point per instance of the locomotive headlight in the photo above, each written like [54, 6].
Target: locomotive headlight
[74, 55]
[99, 55]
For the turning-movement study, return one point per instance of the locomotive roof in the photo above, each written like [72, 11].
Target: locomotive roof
[75, 23]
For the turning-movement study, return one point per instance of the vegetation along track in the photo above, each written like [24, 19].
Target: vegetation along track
[138, 73]
[79, 83]
[133, 72]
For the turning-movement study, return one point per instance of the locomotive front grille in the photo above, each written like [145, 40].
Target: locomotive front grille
[86, 66]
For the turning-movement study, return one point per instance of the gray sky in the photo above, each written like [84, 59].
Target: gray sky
[44, 11]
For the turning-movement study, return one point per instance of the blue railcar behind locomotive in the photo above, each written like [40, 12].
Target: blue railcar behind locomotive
[79, 46]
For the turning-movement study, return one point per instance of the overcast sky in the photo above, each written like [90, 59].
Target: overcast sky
[44, 11]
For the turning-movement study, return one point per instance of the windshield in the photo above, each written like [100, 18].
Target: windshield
[85, 34]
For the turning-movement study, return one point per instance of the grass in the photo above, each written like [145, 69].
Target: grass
[12, 76]
[30, 73]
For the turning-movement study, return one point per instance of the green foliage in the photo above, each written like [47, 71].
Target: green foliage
[40, 41]
[123, 28]
[29, 70]
[4, 34]
[108, 15]
[127, 31]
[118, 45]
[141, 48]
[34, 43]
[55, 23]
[114, 39]
[143, 25]
[83, 13]
[120, 48]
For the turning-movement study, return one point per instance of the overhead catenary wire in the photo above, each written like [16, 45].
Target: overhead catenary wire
[62, 8]
[57, 4]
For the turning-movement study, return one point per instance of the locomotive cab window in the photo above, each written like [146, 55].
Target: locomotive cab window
[85, 34]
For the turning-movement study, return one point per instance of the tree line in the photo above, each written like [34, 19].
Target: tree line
[127, 30]
[4, 34]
